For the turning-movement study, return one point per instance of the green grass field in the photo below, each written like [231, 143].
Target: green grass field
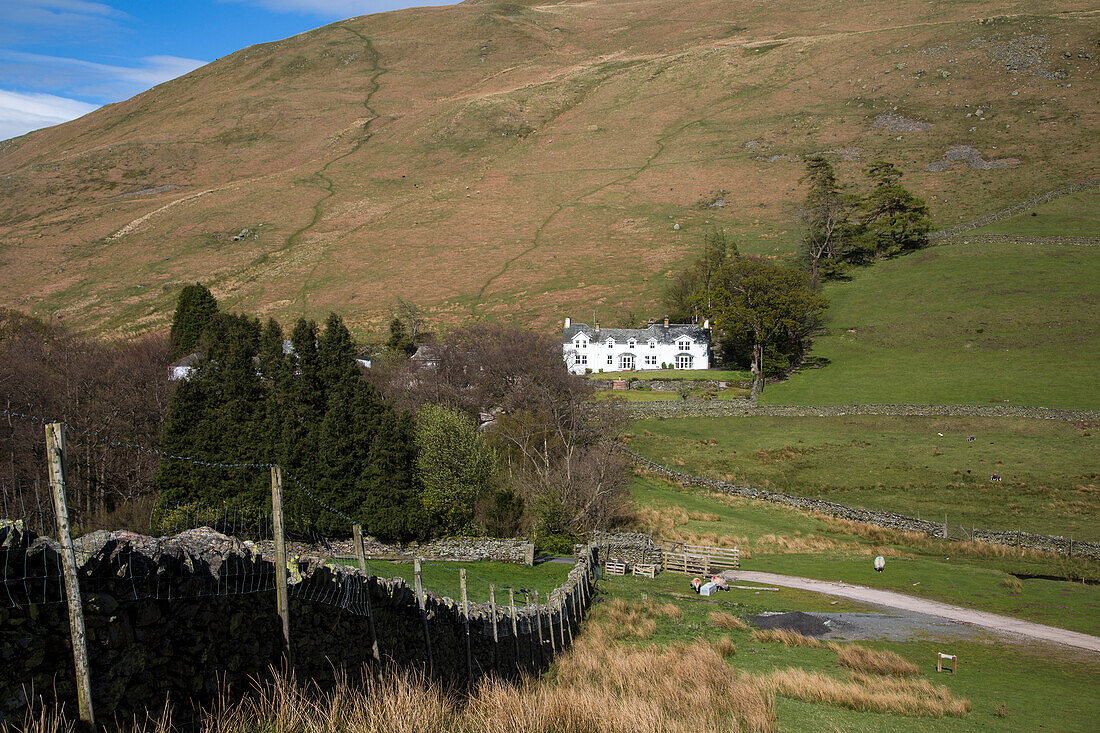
[643, 395]
[1040, 688]
[1050, 480]
[980, 324]
[1076, 215]
[721, 375]
[442, 578]
[782, 540]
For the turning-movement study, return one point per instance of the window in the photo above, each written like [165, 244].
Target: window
[610, 359]
[651, 360]
[610, 342]
[631, 344]
[626, 362]
[652, 344]
[683, 344]
[683, 361]
[582, 359]
[582, 343]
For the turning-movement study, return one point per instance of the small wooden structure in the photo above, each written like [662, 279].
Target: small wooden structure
[646, 571]
[697, 559]
[942, 660]
[616, 567]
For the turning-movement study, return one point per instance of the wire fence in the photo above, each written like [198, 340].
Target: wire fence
[235, 544]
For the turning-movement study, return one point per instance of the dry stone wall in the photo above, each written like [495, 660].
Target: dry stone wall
[890, 520]
[743, 408]
[186, 618]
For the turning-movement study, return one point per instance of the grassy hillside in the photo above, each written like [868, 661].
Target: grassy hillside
[1076, 215]
[524, 161]
[902, 464]
[969, 324]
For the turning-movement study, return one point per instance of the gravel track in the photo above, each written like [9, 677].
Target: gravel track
[890, 599]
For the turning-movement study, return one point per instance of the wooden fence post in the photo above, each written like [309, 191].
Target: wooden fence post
[538, 619]
[282, 602]
[466, 624]
[419, 584]
[493, 611]
[515, 629]
[945, 525]
[55, 453]
[361, 557]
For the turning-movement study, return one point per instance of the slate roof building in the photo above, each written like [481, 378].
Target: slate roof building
[669, 346]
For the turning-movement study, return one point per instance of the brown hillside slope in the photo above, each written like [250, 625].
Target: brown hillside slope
[527, 161]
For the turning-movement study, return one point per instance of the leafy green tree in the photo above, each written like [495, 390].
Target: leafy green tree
[681, 299]
[454, 465]
[196, 311]
[894, 220]
[764, 303]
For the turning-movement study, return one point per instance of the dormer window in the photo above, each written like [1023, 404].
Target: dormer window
[610, 342]
[582, 343]
[683, 344]
[631, 343]
[653, 344]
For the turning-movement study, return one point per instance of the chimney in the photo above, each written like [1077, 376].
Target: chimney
[666, 321]
[567, 322]
[597, 325]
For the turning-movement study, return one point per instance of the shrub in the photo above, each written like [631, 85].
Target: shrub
[862, 659]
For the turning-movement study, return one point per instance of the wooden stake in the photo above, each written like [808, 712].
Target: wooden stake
[538, 620]
[282, 602]
[515, 629]
[466, 623]
[419, 584]
[493, 611]
[55, 453]
[361, 556]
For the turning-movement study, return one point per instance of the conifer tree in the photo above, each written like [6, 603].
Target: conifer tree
[196, 311]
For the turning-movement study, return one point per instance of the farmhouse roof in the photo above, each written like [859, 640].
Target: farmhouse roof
[663, 334]
[188, 361]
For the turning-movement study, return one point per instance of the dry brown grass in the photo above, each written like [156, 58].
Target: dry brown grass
[875, 661]
[785, 636]
[869, 694]
[724, 646]
[724, 620]
[623, 619]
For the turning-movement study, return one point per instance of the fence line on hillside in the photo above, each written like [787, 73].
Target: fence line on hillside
[243, 550]
[942, 235]
[889, 520]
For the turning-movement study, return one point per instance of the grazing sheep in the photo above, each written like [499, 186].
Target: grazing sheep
[880, 563]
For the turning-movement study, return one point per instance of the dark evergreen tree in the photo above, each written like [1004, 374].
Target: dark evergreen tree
[196, 311]
[894, 220]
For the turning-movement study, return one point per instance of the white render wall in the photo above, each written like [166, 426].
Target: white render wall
[594, 355]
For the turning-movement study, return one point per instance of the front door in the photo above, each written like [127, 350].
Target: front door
[626, 362]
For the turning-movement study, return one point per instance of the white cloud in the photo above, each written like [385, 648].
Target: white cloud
[38, 20]
[88, 79]
[337, 8]
[20, 113]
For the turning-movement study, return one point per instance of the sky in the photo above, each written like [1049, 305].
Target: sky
[61, 59]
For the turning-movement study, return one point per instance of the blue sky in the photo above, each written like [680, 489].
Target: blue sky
[60, 59]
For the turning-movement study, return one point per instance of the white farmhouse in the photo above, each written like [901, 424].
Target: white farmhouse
[675, 346]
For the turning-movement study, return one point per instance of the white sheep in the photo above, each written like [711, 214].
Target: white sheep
[880, 563]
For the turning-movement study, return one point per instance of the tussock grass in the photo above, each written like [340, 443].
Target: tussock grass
[875, 661]
[622, 619]
[724, 646]
[869, 693]
[785, 636]
[724, 620]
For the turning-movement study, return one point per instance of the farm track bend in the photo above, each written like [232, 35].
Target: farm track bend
[891, 599]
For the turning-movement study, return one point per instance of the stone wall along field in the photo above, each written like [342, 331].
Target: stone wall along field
[187, 618]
